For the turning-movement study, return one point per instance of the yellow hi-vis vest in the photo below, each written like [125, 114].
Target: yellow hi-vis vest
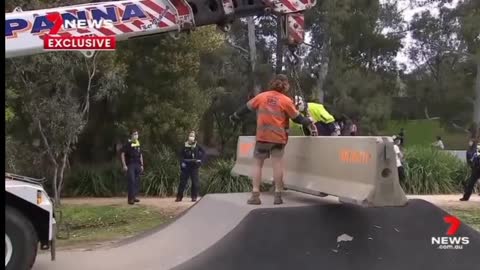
[318, 113]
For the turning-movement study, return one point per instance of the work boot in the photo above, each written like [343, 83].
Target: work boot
[194, 199]
[131, 202]
[136, 200]
[277, 198]
[178, 199]
[255, 199]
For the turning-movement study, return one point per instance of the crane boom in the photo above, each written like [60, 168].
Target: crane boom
[25, 30]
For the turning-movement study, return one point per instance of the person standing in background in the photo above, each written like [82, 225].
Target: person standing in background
[353, 128]
[132, 161]
[473, 160]
[399, 158]
[191, 157]
[439, 143]
[401, 136]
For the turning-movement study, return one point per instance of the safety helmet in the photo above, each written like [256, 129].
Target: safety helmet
[300, 103]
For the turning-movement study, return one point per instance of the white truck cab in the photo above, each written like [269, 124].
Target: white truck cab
[29, 221]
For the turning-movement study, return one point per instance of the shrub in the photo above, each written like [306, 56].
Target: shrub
[162, 173]
[219, 179]
[430, 171]
[105, 180]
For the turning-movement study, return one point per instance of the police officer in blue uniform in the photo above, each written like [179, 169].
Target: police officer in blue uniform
[191, 157]
[132, 161]
[473, 160]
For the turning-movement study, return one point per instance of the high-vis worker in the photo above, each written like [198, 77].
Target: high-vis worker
[323, 120]
[274, 109]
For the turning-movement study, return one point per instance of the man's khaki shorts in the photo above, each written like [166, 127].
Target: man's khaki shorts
[264, 150]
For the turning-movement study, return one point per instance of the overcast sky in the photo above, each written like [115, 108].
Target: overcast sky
[408, 14]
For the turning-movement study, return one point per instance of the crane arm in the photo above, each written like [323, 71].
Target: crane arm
[25, 30]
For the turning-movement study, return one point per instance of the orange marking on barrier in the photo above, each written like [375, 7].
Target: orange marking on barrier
[245, 148]
[351, 156]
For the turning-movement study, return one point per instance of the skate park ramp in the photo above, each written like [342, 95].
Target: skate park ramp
[205, 223]
[222, 232]
[307, 238]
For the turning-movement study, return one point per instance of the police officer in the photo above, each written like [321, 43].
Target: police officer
[132, 161]
[191, 157]
[473, 160]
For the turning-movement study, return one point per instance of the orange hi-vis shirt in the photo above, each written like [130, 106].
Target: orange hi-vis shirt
[274, 110]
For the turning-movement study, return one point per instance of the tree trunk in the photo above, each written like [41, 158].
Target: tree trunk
[425, 110]
[253, 54]
[56, 196]
[279, 50]
[322, 75]
[476, 109]
[62, 172]
[319, 91]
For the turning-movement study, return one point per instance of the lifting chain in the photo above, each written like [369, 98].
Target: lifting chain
[294, 66]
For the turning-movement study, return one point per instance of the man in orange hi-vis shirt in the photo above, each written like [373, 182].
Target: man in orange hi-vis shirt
[274, 109]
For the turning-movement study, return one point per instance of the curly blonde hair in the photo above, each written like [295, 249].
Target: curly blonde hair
[279, 83]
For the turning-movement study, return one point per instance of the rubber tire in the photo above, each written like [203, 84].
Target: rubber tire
[24, 240]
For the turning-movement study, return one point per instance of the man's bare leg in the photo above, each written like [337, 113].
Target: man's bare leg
[256, 181]
[277, 164]
[257, 177]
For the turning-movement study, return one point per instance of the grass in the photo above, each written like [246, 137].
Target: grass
[89, 223]
[423, 132]
[470, 217]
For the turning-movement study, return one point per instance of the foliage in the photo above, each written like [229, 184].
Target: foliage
[430, 171]
[105, 180]
[220, 180]
[162, 173]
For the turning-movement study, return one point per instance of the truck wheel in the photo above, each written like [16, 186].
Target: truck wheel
[21, 241]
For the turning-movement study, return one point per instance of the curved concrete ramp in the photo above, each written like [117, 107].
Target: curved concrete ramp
[306, 238]
[199, 228]
[222, 232]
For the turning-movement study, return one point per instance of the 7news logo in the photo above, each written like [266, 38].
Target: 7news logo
[451, 241]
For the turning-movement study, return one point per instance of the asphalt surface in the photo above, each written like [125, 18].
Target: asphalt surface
[307, 238]
[200, 227]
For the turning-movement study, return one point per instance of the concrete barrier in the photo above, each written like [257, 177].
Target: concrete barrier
[360, 170]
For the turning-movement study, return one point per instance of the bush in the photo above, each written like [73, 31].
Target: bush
[162, 173]
[105, 180]
[430, 171]
[219, 179]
